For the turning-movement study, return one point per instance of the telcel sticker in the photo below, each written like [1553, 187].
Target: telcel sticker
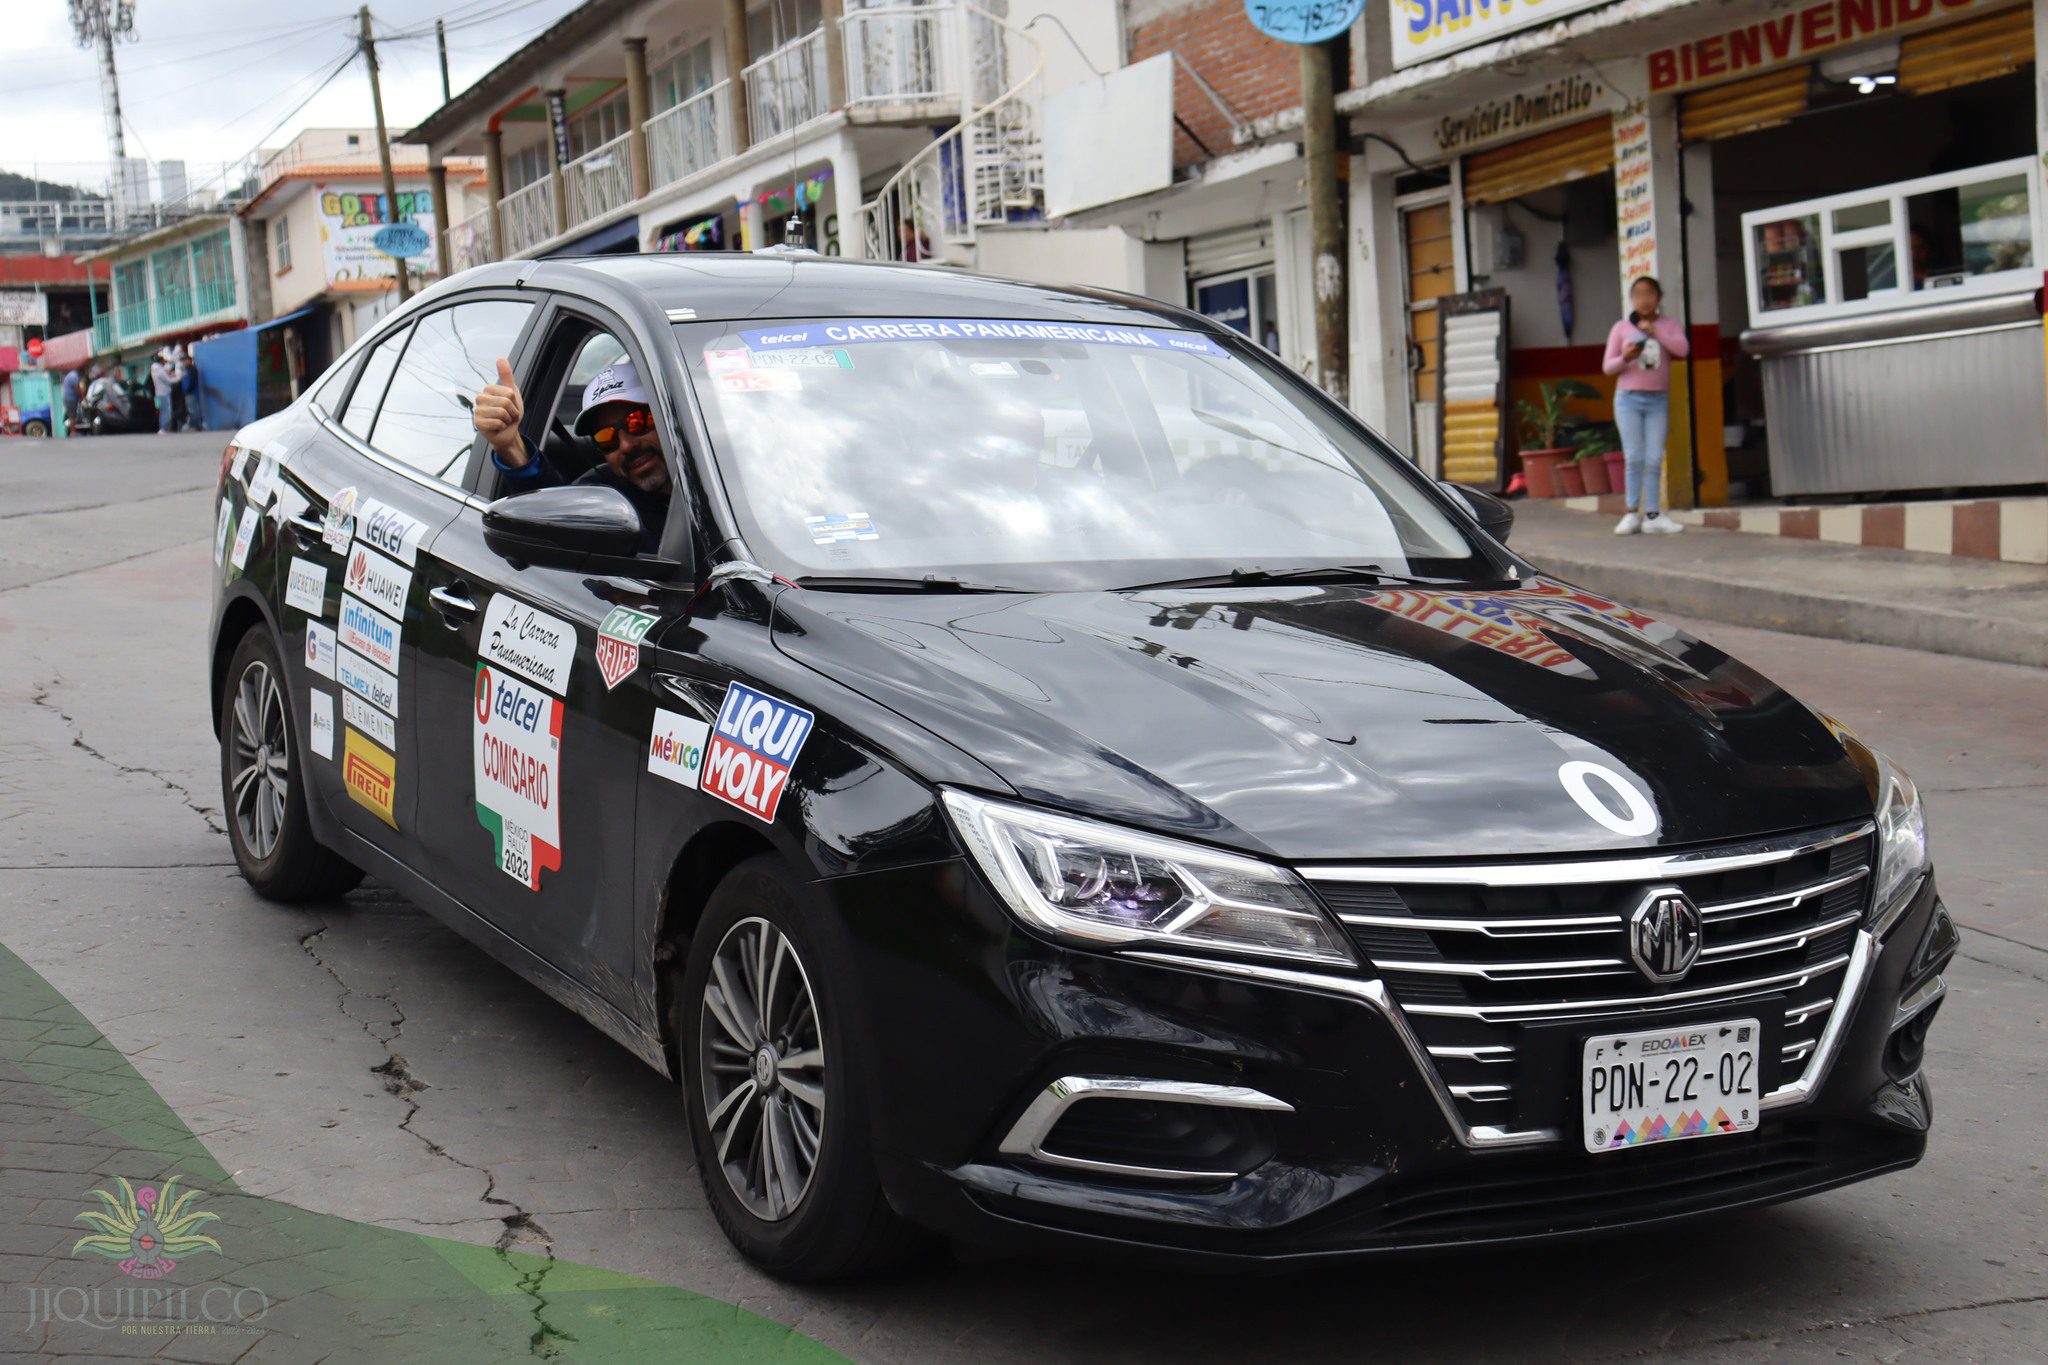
[834, 527]
[390, 530]
[753, 746]
[320, 722]
[518, 759]
[618, 643]
[320, 649]
[367, 681]
[528, 641]
[371, 776]
[675, 748]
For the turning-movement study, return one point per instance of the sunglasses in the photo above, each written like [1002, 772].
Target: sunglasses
[638, 422]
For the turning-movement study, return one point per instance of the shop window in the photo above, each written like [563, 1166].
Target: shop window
[281, 247]
[688, 74]
[1247, 301]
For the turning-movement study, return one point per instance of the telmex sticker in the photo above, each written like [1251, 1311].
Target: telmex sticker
[377, 580]
[222, 526]
[305, 587]
[368, 632]
[371, 776]
[675, 747]
[245, 536]
[390, 530]
[752, 749]
[367, 681]
[835, 527]
[533, 644]
[618, 643]
[973, 329]
[320, 721]
[369, 720]
[320, 649]
[518, 755]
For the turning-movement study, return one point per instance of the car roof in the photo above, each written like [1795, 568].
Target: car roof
[717, 286]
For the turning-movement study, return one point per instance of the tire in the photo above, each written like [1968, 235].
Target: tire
[35, 428]
[272, 838]
[835, 1222]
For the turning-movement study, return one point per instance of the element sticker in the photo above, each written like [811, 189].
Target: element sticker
[618, 643]
[377, 580]
[533, 644]
[518, 756]
[756, 742]
[367, 681]
[368, 632]
[835, 527]
[320, 721]
[339, 527]
[245, 536]
[371, 776]
[305, 587]
[369, 720]
[675, 748]
[320, 649]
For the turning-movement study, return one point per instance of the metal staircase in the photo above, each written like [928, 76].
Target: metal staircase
[987, 170]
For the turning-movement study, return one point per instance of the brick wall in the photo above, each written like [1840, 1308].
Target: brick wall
[1256, 74]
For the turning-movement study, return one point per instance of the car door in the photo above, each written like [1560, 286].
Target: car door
[540, 673]
[378, 477]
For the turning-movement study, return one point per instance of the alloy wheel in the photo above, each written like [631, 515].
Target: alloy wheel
[761, 1059]
[259, 761]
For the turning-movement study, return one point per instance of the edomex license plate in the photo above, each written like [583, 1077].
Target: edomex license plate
[1699, 1080]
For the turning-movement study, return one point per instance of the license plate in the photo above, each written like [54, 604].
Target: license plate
[1699, 1080]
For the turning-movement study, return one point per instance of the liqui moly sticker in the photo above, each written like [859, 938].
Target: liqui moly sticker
[618, 643]
[752, 748]
[305, 587]
[367, 681]
[369, 720]
[390, 530]
[320, 649]
[377, 580]
[245, 536]
[675, 747]
[533, 644]
[338, 528]
[223, 526]
[518, 760]
[320, 722]
[367, 631]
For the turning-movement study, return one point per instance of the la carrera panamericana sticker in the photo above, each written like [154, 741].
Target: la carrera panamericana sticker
[518, 755]
[618, 643]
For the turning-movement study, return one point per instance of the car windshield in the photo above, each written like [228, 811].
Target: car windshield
[1046, 456]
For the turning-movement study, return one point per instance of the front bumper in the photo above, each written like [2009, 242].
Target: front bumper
[973, 1020]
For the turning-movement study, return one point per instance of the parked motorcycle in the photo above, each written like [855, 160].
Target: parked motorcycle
[112, 405]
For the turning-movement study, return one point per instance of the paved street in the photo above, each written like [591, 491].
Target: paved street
[357, 1060]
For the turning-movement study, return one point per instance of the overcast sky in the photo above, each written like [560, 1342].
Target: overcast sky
[202, 80]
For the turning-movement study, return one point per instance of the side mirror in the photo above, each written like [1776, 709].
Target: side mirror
[1494, 515]
[576, 527]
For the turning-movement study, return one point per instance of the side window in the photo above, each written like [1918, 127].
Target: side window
[377, 368]
[425, 417]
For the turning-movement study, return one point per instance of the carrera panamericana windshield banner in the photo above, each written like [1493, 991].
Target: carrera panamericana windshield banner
[1424, 29]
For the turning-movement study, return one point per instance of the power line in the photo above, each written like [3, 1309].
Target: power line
[326, 81]
[186, 60]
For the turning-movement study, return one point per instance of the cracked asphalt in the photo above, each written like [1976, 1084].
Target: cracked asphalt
[357, 1060]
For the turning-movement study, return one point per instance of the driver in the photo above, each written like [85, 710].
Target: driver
[616, 417]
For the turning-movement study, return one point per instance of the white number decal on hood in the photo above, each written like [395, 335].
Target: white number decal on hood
[1576, 777]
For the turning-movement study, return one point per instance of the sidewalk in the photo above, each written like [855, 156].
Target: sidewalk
[1982, 609]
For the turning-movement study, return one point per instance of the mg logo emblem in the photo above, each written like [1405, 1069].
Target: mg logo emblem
[1664, 934]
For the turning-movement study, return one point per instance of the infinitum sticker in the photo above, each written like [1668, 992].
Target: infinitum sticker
[320, 649]
[752, 749]
[245, 536]
[320, 721]
[618, 643]
[675, 747]
[533, 644]
[835, 527]
[305, 587]
[371, 776]
[518, 758]
[368, 632]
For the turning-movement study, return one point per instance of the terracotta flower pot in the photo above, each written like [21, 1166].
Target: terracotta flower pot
[1594, 472]
[1617, 471]
[1571, 481]
[1541, 466]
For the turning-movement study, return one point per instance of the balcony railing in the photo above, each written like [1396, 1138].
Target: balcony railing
[213, 296]
[600, 180]
[529, 215]
[469, 241]
[132, 319]
[788, 88]
[898, 53]
[690, 137]
[103, 333]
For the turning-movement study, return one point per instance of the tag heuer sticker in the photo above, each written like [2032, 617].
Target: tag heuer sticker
[618, 643]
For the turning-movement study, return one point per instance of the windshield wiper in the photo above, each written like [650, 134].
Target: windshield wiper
[1309, 573]
[931, 582]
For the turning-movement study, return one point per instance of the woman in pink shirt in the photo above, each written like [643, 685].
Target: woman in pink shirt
[1640, 350]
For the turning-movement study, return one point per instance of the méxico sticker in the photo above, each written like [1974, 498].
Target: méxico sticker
[390, 530]
[371, 776]
[533, 644]
[675, 747]
[618, 643]
[320, 721]
[367, 631]
[305, 587]
[752, 748]
[377, 580]
[518, 759]
[320, 648]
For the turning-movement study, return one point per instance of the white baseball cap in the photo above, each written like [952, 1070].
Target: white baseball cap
[619, 383]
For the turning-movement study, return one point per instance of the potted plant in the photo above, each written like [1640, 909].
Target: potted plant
[1599, 457]
[1543, 424]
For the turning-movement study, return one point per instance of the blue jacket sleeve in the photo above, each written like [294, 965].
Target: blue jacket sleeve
[538, 472]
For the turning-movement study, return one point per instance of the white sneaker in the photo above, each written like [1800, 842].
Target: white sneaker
[1628, 525]
[1659, 524]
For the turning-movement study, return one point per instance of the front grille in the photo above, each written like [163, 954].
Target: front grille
[1498, 981]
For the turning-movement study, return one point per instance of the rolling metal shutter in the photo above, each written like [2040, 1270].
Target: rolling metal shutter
[1219, 253]
[1977, 50]
[1475, 372]
[1744, 106]
[1537, 163]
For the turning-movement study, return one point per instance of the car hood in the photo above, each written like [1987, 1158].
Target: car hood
[1312, 723]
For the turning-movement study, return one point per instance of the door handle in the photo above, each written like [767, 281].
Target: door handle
[308, 529]
[456, 610]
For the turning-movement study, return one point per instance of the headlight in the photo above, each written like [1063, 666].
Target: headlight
[1101, 886]
[1901, 836]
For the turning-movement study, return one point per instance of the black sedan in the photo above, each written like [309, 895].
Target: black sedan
[1034, 770]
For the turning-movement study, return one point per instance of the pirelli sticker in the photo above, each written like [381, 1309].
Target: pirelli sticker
[371, 776]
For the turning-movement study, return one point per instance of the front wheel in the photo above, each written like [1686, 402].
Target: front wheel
[263, 783]
[772, 1084]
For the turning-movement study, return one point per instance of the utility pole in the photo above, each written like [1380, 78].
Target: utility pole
[441, 41]
[97, 23]
[1326, 219]
[383, 146]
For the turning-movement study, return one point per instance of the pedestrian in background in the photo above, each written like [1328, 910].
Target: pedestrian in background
[188, 385]
[1640, 349]
[163, 382]
[71, 390]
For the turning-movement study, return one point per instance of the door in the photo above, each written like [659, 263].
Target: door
[536, 681]
[1428, 274]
